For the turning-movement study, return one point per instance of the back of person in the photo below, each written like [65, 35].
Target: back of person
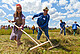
[74, 26]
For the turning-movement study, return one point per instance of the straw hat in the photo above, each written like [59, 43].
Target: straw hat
[46, 8]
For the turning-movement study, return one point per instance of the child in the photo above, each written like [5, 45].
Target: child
[43, 19]
[19, 20]
[74, 27]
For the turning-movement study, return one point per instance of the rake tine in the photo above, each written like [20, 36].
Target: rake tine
[39, 45]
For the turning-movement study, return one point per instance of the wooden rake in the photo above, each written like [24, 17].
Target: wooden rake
[52, 46]
[30, 38]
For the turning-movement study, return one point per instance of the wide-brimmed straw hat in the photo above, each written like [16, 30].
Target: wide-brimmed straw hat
[46, 8]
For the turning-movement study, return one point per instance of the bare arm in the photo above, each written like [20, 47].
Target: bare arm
[23, 22]
[13, 21]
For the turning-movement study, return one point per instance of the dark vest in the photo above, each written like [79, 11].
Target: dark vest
[18, 20]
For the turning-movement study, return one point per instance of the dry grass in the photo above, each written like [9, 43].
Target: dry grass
[69, 44]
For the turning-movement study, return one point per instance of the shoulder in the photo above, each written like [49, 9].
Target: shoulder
[60, 23]
[72, 24]
[41, 13]
[63, 22]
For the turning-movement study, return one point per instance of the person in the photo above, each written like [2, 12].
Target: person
[1, 26]
[26, 26]
[67, 26]
[29, 28]
[33, 28]
[8, 26]
[11, 27]
[62, 27]
[74, 27]
[42, 21]
[19, 20]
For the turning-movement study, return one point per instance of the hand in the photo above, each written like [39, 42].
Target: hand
[61, 29]
[32, 18]
[39, 27]
[20, 28]
[9, 20]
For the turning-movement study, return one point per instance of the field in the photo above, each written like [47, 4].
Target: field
[69, 44]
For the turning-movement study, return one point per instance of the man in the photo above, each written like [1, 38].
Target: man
[62, 27]
[43, 19]
[74, 27]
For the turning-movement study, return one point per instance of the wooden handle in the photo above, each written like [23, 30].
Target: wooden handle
[24, 32]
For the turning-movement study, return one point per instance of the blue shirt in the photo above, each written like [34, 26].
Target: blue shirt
[67, 26]
[42, 20]
[62, 25]
[74, 26]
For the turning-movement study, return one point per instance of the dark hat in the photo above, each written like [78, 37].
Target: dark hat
[75, 22]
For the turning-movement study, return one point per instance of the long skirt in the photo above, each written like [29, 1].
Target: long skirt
[16, 33]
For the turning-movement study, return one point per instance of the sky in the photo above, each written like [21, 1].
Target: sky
[67, 10]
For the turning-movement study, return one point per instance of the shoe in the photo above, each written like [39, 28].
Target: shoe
[18, 44]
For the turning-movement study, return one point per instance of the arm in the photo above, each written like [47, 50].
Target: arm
[65, 23]
[13, 21]
[46, 22]
[36, 15]
[23, 21]
[78, 25]
[61, 27]
[38, 23]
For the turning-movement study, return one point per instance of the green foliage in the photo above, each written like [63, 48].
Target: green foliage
[29, 31]
[5, 32]
[8, 31]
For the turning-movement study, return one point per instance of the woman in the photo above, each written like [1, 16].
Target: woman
[19, 20]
